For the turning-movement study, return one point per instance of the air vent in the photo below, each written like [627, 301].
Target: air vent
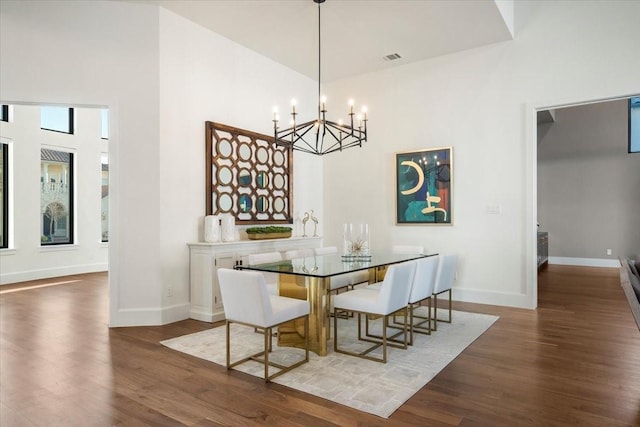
[391, 57]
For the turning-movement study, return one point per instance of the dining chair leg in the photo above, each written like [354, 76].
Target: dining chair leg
[435, 311]
[384, 339]
[228, 345]
[429, 315]
[335, 332]
[267, 350]
[410, 325]
[306, 341]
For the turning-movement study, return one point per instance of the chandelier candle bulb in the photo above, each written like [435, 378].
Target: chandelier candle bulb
[328, 136]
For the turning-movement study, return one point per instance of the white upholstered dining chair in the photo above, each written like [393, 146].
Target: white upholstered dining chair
[343, 280]
[421, 290]
[271, 279]
[424, 281]
[444, 282]
[392, 296]
[248, 302]
[299, 253]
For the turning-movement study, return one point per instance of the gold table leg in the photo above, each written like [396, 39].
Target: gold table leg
[314, 290]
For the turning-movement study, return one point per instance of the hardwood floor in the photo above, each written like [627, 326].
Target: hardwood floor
[573, 361]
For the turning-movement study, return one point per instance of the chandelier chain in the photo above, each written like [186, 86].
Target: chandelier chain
[338, 135]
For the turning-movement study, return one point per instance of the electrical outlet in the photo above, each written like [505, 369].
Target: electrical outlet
[608, 251]
[494, 209]
[169, 291]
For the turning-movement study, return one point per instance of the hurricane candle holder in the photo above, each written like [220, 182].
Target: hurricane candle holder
[356, 242]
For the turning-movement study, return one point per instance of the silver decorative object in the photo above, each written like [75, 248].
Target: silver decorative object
[304, 224]
[315, 224]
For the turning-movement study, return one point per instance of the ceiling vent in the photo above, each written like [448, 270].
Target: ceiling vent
[391, 57]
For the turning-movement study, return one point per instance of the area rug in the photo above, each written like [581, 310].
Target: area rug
[368, 386]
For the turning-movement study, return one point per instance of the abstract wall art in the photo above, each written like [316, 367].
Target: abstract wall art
[423, 186]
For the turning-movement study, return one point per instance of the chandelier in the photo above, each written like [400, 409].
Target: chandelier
[321, 136]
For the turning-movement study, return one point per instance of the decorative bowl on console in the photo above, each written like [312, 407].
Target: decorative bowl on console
[270, 232]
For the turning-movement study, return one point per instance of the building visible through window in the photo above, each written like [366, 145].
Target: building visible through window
[104, 217]
[56, 197]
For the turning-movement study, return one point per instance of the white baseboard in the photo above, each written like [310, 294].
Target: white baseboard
[135, 317]
[480, 296]
[585, 262]
[149, 316]
[45, 273]
[175, 313]
[205, 316]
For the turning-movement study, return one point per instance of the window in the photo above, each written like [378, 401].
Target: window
[4, 195]
[634, 124]
[104, 211]
[4, 113]
[57, 119]
[56, 197]
[105, 123]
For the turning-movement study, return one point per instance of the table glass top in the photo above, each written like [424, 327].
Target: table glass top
[330, 265]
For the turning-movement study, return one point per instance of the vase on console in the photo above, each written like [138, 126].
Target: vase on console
[211, 228]
[228, 227]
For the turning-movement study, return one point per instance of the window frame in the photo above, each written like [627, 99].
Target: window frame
[71, 121]
[630, 124]
[4, 116]
[5, 199]
[71, 217]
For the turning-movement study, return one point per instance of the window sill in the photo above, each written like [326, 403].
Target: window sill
[7, 251]
[59, 248]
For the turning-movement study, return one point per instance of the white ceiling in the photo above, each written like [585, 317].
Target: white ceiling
[356, 34]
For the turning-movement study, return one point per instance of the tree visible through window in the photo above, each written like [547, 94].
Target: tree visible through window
[56, 197]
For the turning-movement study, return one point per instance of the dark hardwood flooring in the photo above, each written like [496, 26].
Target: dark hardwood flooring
[573, 361]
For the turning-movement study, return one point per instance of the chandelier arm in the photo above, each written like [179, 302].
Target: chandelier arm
[301, 131]
[344, 136]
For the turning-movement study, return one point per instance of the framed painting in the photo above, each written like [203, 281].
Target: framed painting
[423, 186]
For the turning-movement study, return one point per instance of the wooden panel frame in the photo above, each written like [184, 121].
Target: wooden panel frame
[248, 175]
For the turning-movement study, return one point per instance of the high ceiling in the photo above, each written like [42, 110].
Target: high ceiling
[356, 34]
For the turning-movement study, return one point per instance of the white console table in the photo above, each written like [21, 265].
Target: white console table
[206, 258]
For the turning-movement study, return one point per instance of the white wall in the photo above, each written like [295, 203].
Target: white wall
[27, 259]
[588, 185]
[110, 53]
[481, 102]
[205, 77]
[101, 53]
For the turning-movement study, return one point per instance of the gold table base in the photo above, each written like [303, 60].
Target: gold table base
[313, 289]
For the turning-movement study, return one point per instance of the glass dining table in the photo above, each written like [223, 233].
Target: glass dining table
[310, 278]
